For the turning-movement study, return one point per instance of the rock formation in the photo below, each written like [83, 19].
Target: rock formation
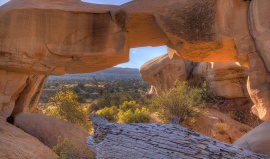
[40, 38]
[48, 129]
[16, 144]
[69, 36]
[162, 72]
[256, 140]
[225, 79]
[19, 92]
[129, 141]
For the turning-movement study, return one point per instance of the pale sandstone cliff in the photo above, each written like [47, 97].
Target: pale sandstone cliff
[225, 79]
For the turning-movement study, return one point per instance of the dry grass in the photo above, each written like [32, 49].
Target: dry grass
[220, 128]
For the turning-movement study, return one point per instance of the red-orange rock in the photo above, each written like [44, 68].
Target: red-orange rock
[16, 144]
[48, 129]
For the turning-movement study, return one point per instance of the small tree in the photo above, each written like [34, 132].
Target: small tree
[68, 108]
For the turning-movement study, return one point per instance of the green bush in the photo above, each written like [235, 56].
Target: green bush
[129, 105]
[109, 113]
[183, 101]
[67, 107]
[139, 115]
[128, 112]
[65, 149]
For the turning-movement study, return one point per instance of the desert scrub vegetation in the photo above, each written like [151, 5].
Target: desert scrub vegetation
[65, 149]
[67, 107]
[220, 128]
[183, 101]
[127, 112]
[109, 113]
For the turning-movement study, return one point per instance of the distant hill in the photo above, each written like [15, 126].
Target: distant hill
[114, 73]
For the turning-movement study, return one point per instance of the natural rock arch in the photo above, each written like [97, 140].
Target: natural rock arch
[40, 38]
[68, 36]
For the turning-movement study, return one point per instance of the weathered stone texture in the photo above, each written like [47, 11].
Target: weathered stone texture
[129, 141]
[58, 37]
[11, 85]
[48, 129]
[16, 144]
[256, 140]
[162, 72]
[225, 80]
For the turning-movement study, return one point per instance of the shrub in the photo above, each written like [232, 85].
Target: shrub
[68, 108]
[65, 149]
[109, 113]
[239, 115]
[139, 115]
[221, 128]
[243, 129]
[184, 102]
[129, 105]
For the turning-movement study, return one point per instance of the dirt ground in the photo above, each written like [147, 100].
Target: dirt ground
[233, 113]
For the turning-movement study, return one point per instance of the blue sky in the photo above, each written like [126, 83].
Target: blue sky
[137, 56]
[114, 2]
[3, 2]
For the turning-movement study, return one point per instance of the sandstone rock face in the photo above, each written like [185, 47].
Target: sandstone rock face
[162, 72]
[19, 92]
[47, 129]
[70, 36]
[257, 140]
[58, 37]
[16, 144]
[226, 80]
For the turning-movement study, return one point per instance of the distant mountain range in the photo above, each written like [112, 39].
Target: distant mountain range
[114, 73]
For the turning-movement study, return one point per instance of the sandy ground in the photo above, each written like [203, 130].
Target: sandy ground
[206, 125]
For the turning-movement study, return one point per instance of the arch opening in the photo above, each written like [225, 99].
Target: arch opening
[111, 2]
[138, 56]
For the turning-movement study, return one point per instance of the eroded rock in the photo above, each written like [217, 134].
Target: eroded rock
[16, 144]
[137, 140]
[19, 92]
[226, 80]
[162, 72]
[256, 140]
[48, 129]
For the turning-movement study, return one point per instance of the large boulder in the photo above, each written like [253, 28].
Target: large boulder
[16, 144]
[162, 72]
[256, 140]
[48, 129]
[225, 79]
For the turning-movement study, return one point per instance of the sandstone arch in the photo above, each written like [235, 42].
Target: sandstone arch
[40, 38]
